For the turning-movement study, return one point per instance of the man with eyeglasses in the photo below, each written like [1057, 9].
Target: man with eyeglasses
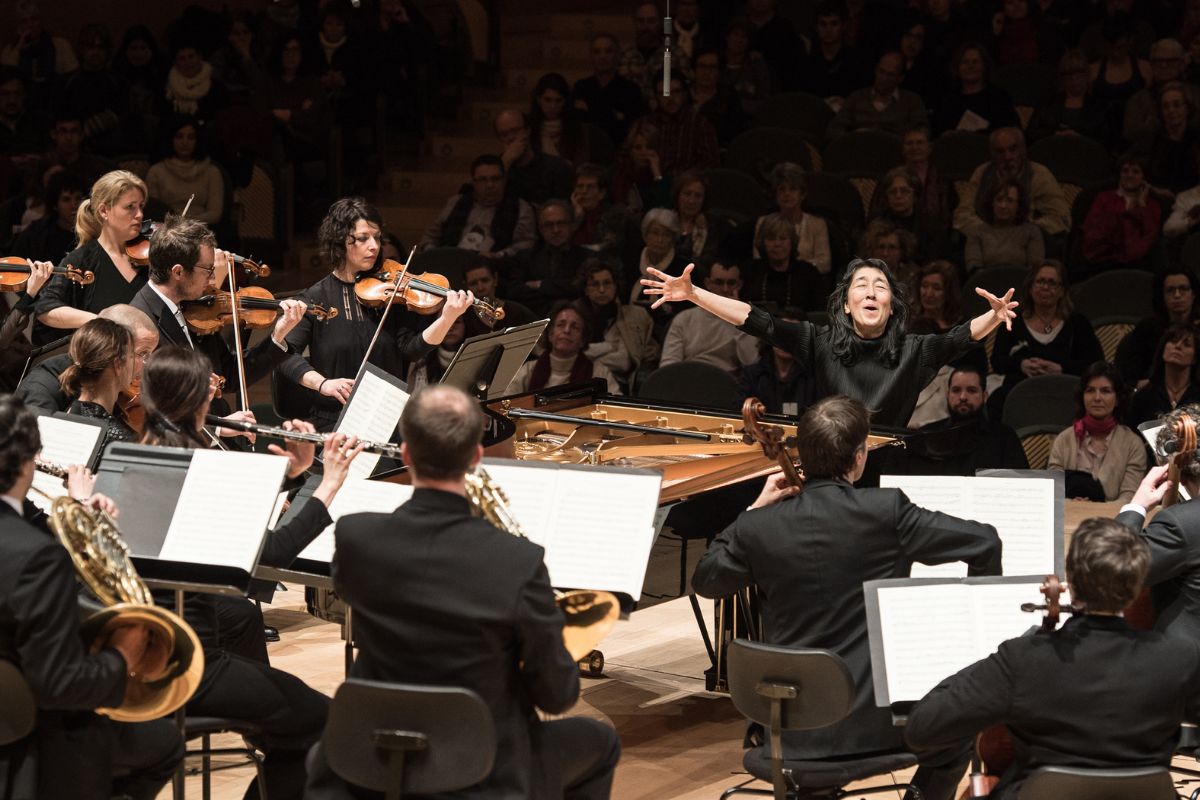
[548, 272]
[481, 218]
[700, 335]
[883, 106]
[533, 177]
[1167, 63]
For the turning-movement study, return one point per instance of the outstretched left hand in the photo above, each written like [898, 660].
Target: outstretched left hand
[1002, 307]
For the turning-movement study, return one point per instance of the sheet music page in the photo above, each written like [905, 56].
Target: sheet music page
[354, 497]
[1022, 510]
[601, 530]
[997, 609]
[371, 414]
[63, 443]
[936, 493]
[531, 493]
[277, 512]
[224, 507]
[928, 635]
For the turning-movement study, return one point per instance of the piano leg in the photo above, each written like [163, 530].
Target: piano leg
[737, 618]
[592, 665]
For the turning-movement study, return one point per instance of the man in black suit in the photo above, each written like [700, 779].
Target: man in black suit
[73, 752]
[810, 552]
[1094, 694]
[183, 258]
[446, 599]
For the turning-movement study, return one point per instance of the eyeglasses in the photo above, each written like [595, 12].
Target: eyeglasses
[509, 131]
[1177, 290]
[899, 191]
[141, 357]
[1047, 283]
[209, 270]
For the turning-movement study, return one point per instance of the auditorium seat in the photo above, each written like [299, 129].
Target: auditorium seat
[732, 194]
[1074, 160]
[1115, 293]
[758, 150]
[957, 154]
[798, 111]
[1043, 400]
[831, 195]
[863, 152]
[996, 280]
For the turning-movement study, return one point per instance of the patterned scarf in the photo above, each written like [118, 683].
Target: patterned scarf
[186, 93]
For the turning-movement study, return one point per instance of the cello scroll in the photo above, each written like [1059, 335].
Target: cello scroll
[775, 441]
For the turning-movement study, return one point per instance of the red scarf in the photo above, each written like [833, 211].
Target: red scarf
[581, 371]
[1097, 428]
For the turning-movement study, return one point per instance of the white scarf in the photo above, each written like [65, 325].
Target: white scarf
[330, 47]
[186, 171]
[186, 93]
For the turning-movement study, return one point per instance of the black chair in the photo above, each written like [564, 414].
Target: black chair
[18, 710]
[870, 153]
[732, 194]
[1191, 252]
[290, 400]
[830, 194]
[996, 280]
[693, 382]
[1115, 293]
[1072, 159]
[798, 111]
[786, 689]
[204, 728]
[757, 151]
[404, 739]
[1074, 783]
[1043, 400]
[452, 262]
[957, 154]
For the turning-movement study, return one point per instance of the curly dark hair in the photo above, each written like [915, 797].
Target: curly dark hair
[338, 226]
[1103, 369]
[20, 440]
[844, 340]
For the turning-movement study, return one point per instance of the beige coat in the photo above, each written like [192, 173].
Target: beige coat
[1124, 464]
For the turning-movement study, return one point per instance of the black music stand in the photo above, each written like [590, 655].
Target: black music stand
[485, 365]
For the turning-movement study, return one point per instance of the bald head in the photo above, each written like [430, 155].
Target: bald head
[442, 429]
[137, 322]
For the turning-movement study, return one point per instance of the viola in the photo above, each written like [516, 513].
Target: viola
[423, 294]
[137, 249]
[129, 406]
[15, 271]
[256, 309]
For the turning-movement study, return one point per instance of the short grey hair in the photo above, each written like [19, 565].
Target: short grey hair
[560, 203]
[774, 225]
[1167, 47]
[790, 173]
[1020, 136]
[665, 217]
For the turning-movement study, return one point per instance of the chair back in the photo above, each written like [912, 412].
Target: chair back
[407, 739]
[692, 382]
[758, 150]
[1115, 293]
[797, 111]
[1111, 331]
[18, 710]
[1074, 783]
[996, 280]
[824, 687]
[1042, 400]
[1027, 83]
[1190, 255]
[957, 154]
[732, 194]
[835, 195]
[864, 152]
[1080, 161]
[1037, 441]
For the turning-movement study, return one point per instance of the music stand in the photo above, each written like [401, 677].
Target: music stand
[485, 365]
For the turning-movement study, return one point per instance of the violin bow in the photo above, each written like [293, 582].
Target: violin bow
[395, 290]
[189, 205]
[237, 337]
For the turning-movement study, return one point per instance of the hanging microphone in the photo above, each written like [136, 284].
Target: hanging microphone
[668, 29]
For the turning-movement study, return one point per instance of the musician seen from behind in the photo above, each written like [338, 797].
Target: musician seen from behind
[865, 352]
[72, 752]
[238, 681]
[446, 599]
[1094, 694]
[810, 551]
[351, 238]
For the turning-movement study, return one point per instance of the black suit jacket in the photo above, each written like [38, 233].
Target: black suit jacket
[809, 556]
[443, 598]
[42, 387]
[1174, 579]
[259, 360]
[1095, 694]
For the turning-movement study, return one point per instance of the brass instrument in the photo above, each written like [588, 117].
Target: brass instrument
[174, 659]
[590, 615]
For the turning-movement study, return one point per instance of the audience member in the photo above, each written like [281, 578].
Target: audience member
[776, 43]
[1173, 149]
[1074, 109]
[937, 297]
[901, 187]
[715, 101]
[144, 67]
[702, 237]
[1185, 213]
[699, 335]
[563, 361]
[101, 97]
[661, 232]
[53, 236]
[608, 100]
[345, 68]
[1022, 35]
[40, 57]
[974, 104]
[936, 197]
[292, 93]
[1174, 302]
[1141, 110]
[883, 106]
[622, 335]
[24, 132]
[1123, 224]
[779, 276]
[923, 74]
[430, 368]
[187, 178]
[892, 245]
[483, 280]
[640, 182]
[931, 405]
[481, 218]
[687, 139]
[1172, 376]
[1117, 74]
[532, 176]
[401, 52]
[688, 36]
[1048, 207]
[777, 380]
[597, 225]
[832, 70]
[1005, 236]
[1047, 337]
[748, 76]
[791, 187]
[644, 57]
[1104, 460]
[191, 89]
[548, 272]
[237, 62]
[1138, 31]
[68, 153]
[555, 126]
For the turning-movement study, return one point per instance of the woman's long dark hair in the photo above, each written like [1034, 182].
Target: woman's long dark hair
[845, 343]
[174, 389]
[572, 124]
[1176, 332]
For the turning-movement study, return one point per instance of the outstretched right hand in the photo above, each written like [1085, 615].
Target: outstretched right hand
[673, 290]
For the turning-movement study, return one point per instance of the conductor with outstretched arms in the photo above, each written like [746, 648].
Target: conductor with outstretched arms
[809, 553]
[866, 351]
[446, 599]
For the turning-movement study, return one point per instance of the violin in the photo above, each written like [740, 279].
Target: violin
[423, 294]
[249, 267]
[129, 406]
[15, 271]
[137, 249]
[256, 309]
[775, 441]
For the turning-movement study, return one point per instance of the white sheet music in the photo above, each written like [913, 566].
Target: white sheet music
[63, 443]
[224, 507]
[968, 623]
[597, 525]
[1021, 509]
[371, 414]
[354, 497]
